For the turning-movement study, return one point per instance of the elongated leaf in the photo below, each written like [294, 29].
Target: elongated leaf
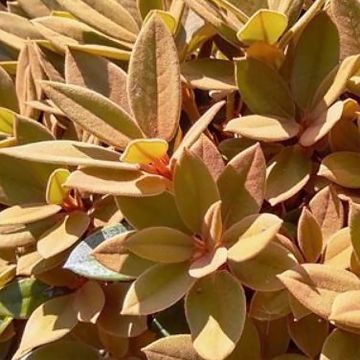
[94, 112]
[195, 190]
[27, 214]
[7, 92]
[104, 16]
[151, 211]
[309, 236]
[21, 297]
[63, 235]
[117, 182]
[263, 89]
[196, 130]
[81, 262]
[328, 211]
[216, 312]
[161, 244]
[265, 25]
[342, 168]
[209, 74]
[287, 174]
[154, 81]
[157, 289]
[251, 235]
[339, 250]
[354, 224]
[49, 322]
[80, 68]
[242, 185]
[344, 14]
[65, 152]
[341, 345]
[316, 54]
[264, 128]
[316, 286]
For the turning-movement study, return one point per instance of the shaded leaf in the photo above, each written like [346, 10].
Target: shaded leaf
[157, 289]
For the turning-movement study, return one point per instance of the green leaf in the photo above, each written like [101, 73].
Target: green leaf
[81, 262]
[145, 6]
[265, 26]
[195, 190]
[216, 312]
[161, 244]
[157, 289]
[287, 174]
[94, 112]
[154, 81]
[55, 191]
[263, 89]
[242, 185]
[21, 297]
[342, 168]
[151, 211]
[7, 120]
[316, 54]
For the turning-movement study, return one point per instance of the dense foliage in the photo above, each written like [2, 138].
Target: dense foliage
[179, 180]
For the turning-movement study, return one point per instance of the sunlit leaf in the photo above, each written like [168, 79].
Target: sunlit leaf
[264, 128]
[264, 25]
[215, 310]
[342, 168]
[145, 151]
[339, 250]
[154, 81]
[309, 236]
[316, 286]
[251, 235]
[49, 322]
[63, 235]
[27, 214]
[270, 262]
[55, 192]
